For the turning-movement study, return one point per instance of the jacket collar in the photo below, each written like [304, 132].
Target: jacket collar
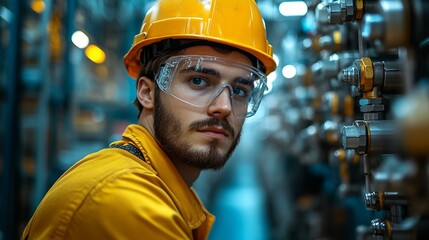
[187, 201]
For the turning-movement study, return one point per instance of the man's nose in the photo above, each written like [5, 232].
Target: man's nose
[221, 105]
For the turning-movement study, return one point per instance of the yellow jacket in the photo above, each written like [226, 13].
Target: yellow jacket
[112, 194]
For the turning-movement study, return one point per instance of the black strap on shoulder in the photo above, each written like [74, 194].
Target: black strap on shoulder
[131, 149]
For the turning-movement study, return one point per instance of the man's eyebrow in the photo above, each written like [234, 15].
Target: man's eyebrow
[243, 80]
[208, 71]
[215, 73]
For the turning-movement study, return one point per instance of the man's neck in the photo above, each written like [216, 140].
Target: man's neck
[189, 174]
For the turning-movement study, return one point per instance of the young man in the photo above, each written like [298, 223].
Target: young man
[201, 68]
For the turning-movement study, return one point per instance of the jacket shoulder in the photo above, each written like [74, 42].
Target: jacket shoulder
[108, 192]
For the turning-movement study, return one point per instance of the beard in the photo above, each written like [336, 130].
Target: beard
[168, 133]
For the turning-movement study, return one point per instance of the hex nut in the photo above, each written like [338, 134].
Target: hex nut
[367, 101]
[334, 13]
[378, 227]
[355, 137]
[350, 10]
[367, 74]
[372, 108]
[372, 200]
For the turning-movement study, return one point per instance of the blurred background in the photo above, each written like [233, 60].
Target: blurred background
[338, 149]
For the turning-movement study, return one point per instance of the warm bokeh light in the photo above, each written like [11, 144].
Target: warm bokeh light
[38, 6]
[95, 54]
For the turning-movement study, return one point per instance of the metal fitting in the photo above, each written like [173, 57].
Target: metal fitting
[355, 137]
[390, 24]
[367, 101]
[360, 74]
[350, 10]
[372, 201]
[370, 105]
[341, 11]
[388, 76]
[379, 227]
[322, 14]
[383, 136]
[367, 74]
[372, 108]
[383, 200]
[334, 12]
[350, 75]
[371, 136]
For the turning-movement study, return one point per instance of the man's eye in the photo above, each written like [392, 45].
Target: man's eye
[197, 81]
[240, 92]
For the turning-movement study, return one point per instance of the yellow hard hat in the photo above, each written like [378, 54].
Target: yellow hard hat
[237, 23]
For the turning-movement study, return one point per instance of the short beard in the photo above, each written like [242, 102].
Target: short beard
[168, 131]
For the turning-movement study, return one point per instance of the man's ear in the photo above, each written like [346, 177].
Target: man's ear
[146, 92]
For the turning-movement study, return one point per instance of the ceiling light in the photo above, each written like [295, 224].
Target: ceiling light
[293, 9]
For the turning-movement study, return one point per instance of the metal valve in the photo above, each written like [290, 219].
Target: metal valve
[366, 74]
[345, 10]
[370, 136]
[383, 200]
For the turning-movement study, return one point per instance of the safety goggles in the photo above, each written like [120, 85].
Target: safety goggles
[198, 80]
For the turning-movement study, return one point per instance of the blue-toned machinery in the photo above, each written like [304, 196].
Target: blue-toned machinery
[354, 123]
[376, 53]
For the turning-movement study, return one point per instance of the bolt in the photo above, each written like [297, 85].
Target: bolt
[350, 137]
[372, 201]
[378, 226]
[341, 11]
[355, 137]
[372, 116]
[350, 75]
[372, 108]
[334, 13]
[322, 14]
[368, 101]
[350, 10]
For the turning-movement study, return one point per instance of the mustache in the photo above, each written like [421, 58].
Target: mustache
[213, 122]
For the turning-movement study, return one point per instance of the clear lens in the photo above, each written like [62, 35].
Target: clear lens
[198, 80]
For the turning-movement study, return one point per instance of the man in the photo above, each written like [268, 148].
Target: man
[201, 68]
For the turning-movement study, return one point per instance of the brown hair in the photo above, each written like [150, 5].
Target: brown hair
[149, 69]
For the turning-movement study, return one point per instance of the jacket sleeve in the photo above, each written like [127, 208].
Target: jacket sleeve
[133, 205]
